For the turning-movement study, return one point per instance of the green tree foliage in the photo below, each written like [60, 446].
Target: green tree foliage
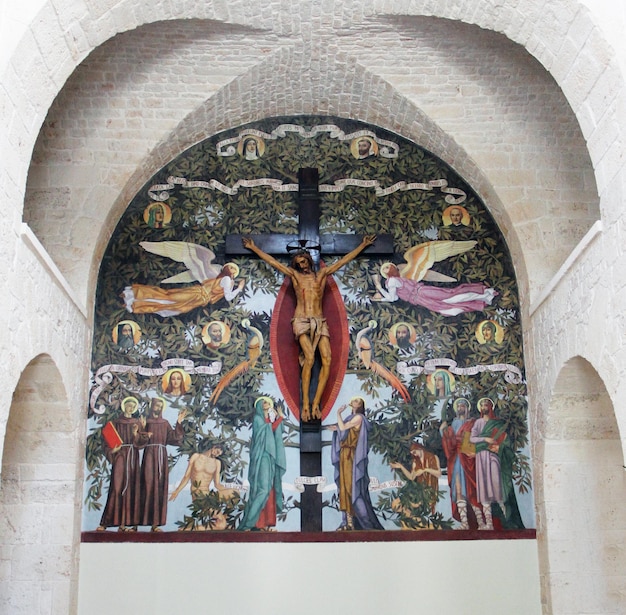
[205, 216]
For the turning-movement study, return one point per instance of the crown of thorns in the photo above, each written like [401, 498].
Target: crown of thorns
[302, 245]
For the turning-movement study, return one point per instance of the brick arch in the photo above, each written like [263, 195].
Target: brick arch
[57, 48]
[350, 85]
[38, 494]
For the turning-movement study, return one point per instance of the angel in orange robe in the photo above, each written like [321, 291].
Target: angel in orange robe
[215, 282]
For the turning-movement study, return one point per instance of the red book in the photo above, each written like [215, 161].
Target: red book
[110, 435]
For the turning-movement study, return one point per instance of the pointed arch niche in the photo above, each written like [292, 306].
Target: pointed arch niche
[428, 318]
[584, 481]
[37, 496]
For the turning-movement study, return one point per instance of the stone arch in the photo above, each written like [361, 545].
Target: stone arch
[531, 24]
[583, 479]
[38, 494]
[351, 85]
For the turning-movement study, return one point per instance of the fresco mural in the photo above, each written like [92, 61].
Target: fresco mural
[307, 275]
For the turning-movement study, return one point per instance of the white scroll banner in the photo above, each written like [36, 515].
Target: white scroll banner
[161, 192]
[402, 186]
[512, 374]
[322, 487]
[236, 486]
[104, 375]
[301, 481]
[375, 485]
[386, 149]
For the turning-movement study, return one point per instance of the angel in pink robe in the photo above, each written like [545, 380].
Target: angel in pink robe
[405, 282]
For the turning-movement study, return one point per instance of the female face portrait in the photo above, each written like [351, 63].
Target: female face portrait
[176, 382]
[251, 147]
[441, 383]
[157, 215]
[489, 332]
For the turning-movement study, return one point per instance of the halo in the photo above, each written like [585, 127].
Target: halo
[458, 401]
[384, 269]
[225, 333]
[445, 216]
[234, 267]
[393, 338]
[260, 144]
[354, 146]
[263, 398]
[498, 335]
[133, 325]
[167, 212]
[165, 378]
[130, 398]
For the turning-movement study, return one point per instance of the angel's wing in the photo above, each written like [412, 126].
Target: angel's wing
[419, 259]
[198, 259]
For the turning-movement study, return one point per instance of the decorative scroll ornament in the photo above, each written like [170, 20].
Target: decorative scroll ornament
[104, 375]
[320, 481]
[301, 481]
[161, 192]
[386, 149]
[512, 374]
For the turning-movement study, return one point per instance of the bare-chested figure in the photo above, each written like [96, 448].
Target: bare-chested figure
[309, 325]
[202, 470]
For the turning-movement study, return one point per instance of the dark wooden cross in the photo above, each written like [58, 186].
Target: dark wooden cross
[329, 244]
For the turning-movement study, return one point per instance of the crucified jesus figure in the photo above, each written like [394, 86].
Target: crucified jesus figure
[309, 324]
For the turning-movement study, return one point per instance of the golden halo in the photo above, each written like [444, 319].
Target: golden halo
[498, 335]
[165, 378]
[393, 338]
[133, 325]
[244, 138]
[384, 269]
[234, 268]
[167, 212]
[447, 221]
[354, 147]
[130, 398]
[226, 333]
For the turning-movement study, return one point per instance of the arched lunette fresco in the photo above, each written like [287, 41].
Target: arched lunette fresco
[432, 345]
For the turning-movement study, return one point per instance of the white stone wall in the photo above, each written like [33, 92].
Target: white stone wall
[469, 95]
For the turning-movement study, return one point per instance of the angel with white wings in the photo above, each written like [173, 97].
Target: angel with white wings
[405, 281]
[215, 281]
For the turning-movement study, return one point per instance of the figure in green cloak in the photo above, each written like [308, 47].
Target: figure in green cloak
[267, 467]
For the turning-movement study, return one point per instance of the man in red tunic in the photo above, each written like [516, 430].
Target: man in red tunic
[461, 457]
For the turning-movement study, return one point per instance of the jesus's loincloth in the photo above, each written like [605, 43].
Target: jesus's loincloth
[314, 327]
